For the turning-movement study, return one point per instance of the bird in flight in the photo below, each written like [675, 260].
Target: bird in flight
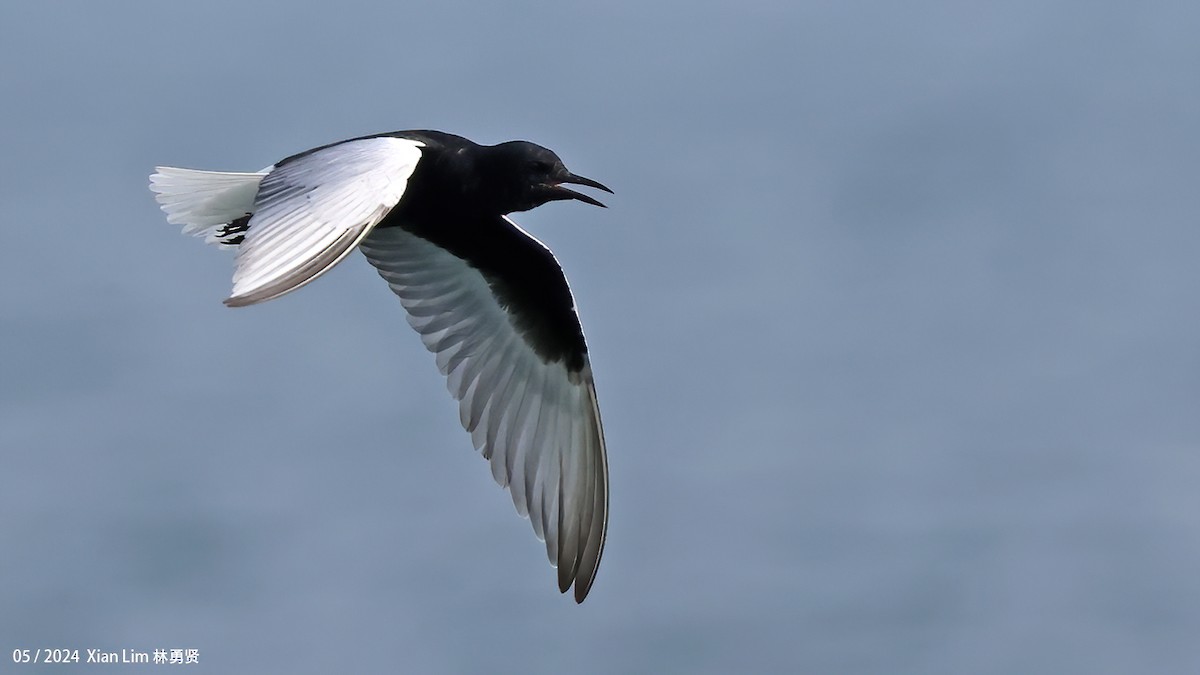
[430, 211]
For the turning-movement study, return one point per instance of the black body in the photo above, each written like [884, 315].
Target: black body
[457, 198]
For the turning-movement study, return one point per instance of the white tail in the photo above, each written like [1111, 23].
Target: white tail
[206, 201]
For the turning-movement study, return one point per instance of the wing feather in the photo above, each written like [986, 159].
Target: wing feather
[533, 418]
[313, 209]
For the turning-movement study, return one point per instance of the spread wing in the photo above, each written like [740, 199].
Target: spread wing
[311, 210]
[493, 305]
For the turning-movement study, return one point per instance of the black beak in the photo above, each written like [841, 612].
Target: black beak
[560, 192]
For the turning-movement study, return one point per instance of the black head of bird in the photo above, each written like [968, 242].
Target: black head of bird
[532, 176]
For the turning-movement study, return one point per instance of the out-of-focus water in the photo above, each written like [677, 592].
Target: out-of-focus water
[893, 317]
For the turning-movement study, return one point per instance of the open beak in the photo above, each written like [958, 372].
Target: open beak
[559, 192]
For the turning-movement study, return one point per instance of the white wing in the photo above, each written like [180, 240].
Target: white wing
[535, 420]
[313, 209]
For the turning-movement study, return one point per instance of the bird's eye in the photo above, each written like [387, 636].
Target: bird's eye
[540, 166]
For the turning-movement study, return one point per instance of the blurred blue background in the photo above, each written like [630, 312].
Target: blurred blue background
[893, 317]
